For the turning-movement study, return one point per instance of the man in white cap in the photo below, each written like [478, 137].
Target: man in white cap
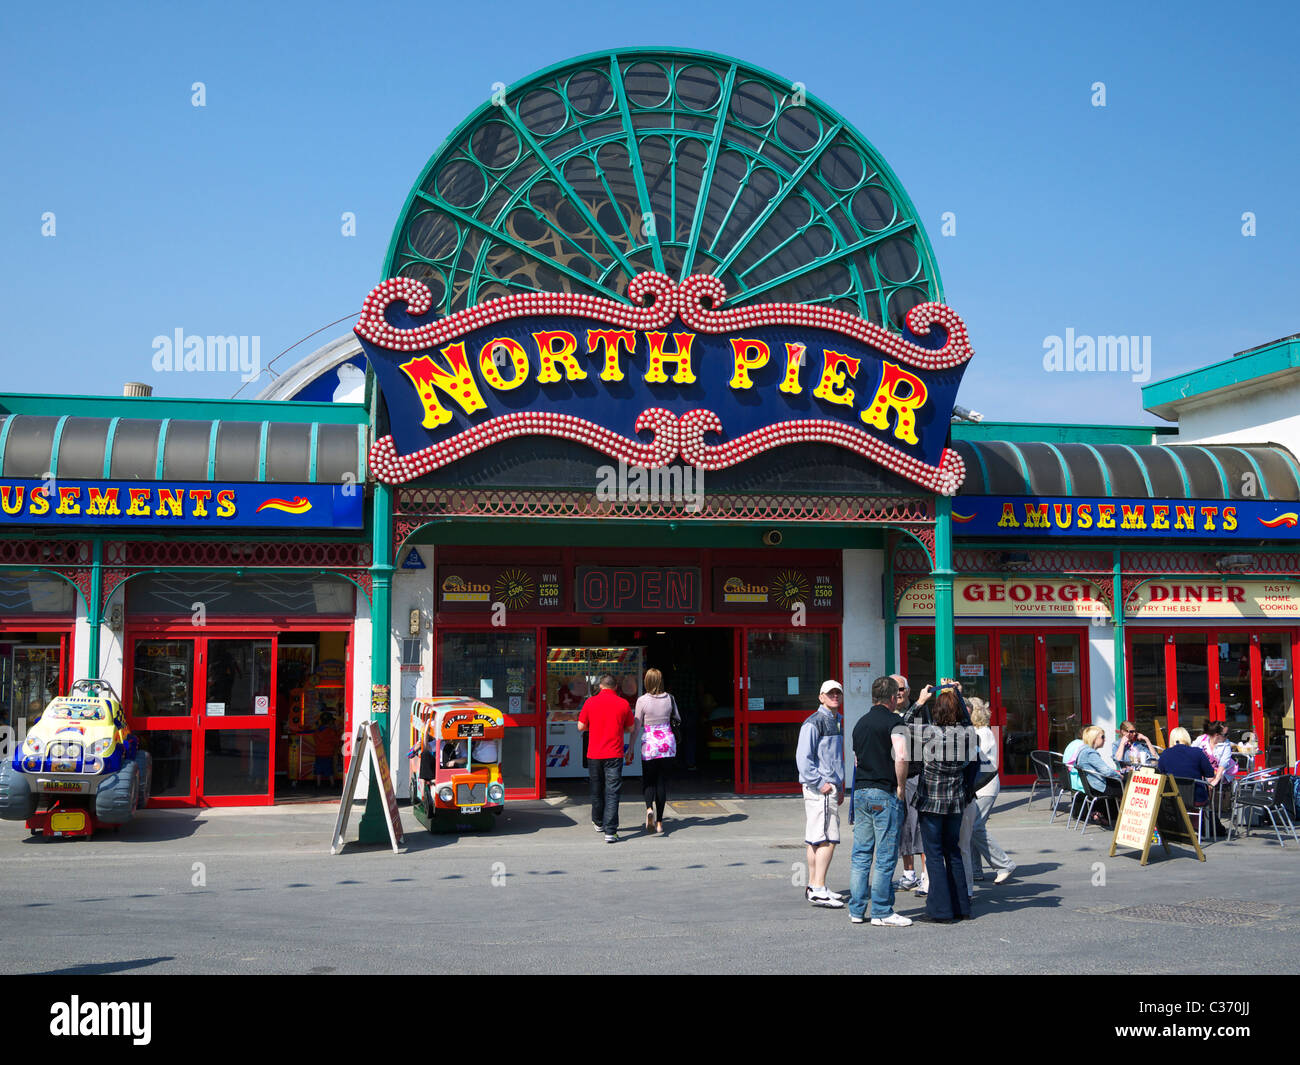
[819, 756]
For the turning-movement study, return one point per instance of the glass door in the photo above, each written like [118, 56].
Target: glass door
[237, 721]
[203, 707]
[161, 709]
[781, 674]
[500, 668]
[1277, 709]
[1065, 694]
[1017, 703]
[1190, 705]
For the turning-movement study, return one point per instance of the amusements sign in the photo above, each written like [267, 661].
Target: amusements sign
[1144, 792]
[647, 381]
[1048, 517]
[765, 590]
[1008, 598]
[473, 589]
[207, 505]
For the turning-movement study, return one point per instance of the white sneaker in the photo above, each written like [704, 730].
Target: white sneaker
[1005, 874]
[823, 893]
[828, 900]
[894, 920]
[909, 881]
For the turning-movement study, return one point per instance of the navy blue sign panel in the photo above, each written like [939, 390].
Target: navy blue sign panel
[181, 504]
[675, 377]
[1146, 519]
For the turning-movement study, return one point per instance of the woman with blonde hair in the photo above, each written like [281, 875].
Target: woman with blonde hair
[1102, 776]
[656, 714]
[982, 845]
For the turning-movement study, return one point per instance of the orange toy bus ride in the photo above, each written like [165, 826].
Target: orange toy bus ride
[455, 761]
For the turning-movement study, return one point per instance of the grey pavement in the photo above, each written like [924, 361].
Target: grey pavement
[257, 891]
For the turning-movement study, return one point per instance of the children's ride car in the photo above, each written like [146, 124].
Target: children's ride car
[81, 760]
[455, 763]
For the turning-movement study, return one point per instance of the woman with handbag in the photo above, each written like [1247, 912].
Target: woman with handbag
[656, 714]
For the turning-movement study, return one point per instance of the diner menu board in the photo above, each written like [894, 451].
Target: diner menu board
[1144, 792]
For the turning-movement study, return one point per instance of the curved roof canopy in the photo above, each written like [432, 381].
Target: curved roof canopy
[1174, 471]
[585, 174]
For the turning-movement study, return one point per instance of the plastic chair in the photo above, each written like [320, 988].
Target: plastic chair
[1063, 786]
[1263, 791]
[1093, 796]
[1043, 775]
[1195, 811]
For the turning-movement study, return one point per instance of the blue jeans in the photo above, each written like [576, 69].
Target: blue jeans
[941, 834]
[877, 820]
[606, 776]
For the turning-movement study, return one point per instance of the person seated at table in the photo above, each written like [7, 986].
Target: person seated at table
[1071, 752]
[1183, 760]
[1131, 747]
[1102, 776]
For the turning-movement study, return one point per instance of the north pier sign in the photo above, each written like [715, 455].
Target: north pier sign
[671, 374]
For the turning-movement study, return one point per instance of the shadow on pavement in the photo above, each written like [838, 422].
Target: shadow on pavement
[105, 968]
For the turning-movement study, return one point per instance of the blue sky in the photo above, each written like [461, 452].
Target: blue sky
[1116, 220]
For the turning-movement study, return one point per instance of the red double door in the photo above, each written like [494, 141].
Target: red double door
[1034, 680]
[208, 709]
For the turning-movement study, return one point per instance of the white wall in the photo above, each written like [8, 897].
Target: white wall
[863, 635]
[1269, 414]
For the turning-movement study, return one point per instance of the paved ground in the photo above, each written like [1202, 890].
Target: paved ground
[256, 891]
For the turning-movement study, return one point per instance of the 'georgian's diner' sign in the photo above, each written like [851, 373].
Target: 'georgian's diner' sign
[181, 504]
[669, 375]
[1177, 519]
[1163, 598]
[1008, 598]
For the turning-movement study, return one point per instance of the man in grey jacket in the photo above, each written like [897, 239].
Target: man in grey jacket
[819, 756]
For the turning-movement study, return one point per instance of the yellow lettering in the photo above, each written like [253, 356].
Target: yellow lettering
[1085, 515]
[18, 491]
[68, 501]
[1229, 519]
[1036, 516]
[139, 507]
[226, 504]
[518, 359]
[658, 356]
[793, 355]
[199, 497]
[550, 355]
[101, 502]
[1008, 519]
[172, 500]
[611, 340]
[743, 361]
[833, 378]
[888, 398]
[40, 503]
[458, 383]
[1134, 517]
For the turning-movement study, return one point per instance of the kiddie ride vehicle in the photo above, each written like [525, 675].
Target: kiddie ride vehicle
[455, 760]
[81, 761]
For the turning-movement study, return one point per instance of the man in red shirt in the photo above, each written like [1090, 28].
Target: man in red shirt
[608, 721]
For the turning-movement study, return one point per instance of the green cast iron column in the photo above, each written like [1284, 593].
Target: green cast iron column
[1117, 593]
[94, 613]
[891, 622]
[943, 573]
[374, 823]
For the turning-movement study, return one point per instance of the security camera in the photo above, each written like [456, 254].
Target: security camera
[772, 538]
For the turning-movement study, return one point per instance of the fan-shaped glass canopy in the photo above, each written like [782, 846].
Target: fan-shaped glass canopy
[590, 172]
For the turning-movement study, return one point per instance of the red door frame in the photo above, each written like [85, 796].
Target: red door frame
[997, 710]
[1210, 634]
[66, 631]
[538, 716]
[742, 718]
[248, 628]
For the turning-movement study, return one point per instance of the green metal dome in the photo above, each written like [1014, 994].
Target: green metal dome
[590, 172]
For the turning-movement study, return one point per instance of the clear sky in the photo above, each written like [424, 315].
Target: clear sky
[225, 219]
